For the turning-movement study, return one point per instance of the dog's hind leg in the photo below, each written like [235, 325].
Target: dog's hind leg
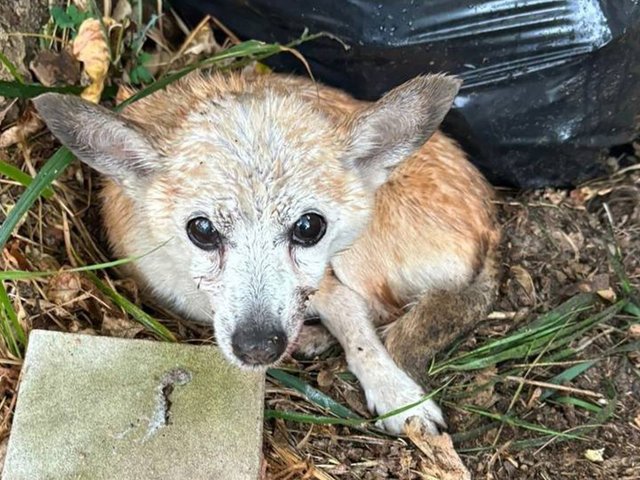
[438, 318]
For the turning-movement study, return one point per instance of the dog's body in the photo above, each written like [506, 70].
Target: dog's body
[403, 231]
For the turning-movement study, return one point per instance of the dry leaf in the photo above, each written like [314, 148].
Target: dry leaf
[90, 47]
[8, 110]
[122, 11]
[595, 455]
[28, 124]
[484, 397]
[442, 461]
[64, 287]
[524, 279]
[120, 326]
[533, 399]
[203, 42]
[325, 378]
[55, 68]
[608, 294]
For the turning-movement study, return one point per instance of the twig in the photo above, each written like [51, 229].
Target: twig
[554, 386]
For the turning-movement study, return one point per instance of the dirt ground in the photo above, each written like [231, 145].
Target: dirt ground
[556, 245]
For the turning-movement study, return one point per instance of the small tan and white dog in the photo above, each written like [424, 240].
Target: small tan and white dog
[277, 199]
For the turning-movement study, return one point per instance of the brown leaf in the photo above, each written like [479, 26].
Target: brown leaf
[442, 461]
[122, 10]
[607, 294]
[55, 68]
[90, 47]
[64, 287]
[524, 279]
[325, 378]
[485, 397]
[119, 326]
[28, 124]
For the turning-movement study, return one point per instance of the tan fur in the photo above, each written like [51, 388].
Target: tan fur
[411, 242]
[435, 206]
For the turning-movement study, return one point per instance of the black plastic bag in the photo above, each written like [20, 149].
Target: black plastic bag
[550, 85]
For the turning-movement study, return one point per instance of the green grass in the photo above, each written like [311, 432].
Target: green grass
[17, 175]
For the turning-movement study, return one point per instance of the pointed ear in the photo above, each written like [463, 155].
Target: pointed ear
[387, 132]
[98, 137]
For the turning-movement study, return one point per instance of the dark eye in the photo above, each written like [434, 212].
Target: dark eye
[202, 233]
[308, 230]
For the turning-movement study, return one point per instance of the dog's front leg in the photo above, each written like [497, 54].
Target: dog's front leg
[387, 387]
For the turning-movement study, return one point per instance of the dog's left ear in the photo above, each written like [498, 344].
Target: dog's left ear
[387, 132]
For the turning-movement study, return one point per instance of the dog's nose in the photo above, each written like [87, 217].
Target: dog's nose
[258, 346]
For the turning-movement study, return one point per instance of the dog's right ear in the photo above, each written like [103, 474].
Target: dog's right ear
[98, 137]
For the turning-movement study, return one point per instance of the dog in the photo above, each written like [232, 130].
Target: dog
[277, 199]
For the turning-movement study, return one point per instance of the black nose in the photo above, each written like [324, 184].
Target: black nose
[258, 346]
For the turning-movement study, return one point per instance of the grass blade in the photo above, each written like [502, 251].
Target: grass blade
[10, 328]
[554, 327]
[516, 422]
[577, 402]
[312, 394]
[315, 419]
[47, 174]
[22, 178]
[25, 91]
[27, 275]
[11, 68]
[132, 309]
[568, 375]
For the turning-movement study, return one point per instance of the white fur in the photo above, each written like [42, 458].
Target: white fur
[386, 386]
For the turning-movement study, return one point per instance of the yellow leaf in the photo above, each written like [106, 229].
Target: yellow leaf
[90, 47]
[595, 455]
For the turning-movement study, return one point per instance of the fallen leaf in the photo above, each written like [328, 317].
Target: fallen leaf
[325, 378]
[120, 326]
[28, 124]
[90, 47]
[484, 395]
[608, 294]
[122, 10]
[8, 110]
[442, 461]
[55, 68]
[595, 455]
[533, 399]
[64, 287]
[524, 279]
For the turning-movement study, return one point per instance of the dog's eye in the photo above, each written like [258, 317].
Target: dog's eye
[202, 233]
[308, 230]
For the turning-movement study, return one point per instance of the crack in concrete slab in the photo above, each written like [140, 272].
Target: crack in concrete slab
[161, 417]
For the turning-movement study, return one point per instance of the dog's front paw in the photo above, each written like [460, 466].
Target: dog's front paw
[396, 390]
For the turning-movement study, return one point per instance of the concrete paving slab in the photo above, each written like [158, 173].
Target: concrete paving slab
[106, 408]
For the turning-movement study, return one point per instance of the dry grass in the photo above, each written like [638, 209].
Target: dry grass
[508, 420]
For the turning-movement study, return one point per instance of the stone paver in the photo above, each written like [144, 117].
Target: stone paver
[105, 408]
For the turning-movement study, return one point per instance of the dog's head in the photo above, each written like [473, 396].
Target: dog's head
[254, 187]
